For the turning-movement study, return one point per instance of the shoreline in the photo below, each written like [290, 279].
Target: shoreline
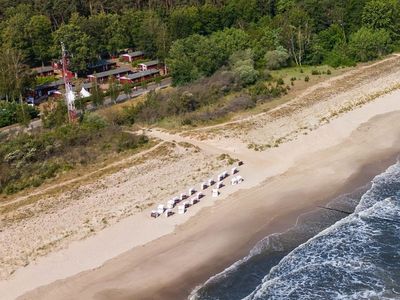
[153, 269]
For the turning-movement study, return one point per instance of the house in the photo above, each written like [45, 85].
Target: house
[149, 65]
[132, 56]
[101, 66]
[42, 92]
[103, 76]
[44, 71]
[139, 76]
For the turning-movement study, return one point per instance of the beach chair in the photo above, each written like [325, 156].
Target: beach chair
[204, 185]
[215, 193]
[160, 209]
[168, 213]
[181, 209]
[154, 214]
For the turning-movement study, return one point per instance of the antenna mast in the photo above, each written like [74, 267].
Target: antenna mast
[69, 93]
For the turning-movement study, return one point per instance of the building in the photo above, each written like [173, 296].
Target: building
[44, 71]
[41, 92]
[104, 76]
[139, 76]
[132, 56]
[149, 65]
[101, 66]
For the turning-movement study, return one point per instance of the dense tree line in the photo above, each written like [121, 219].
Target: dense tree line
[196, 38]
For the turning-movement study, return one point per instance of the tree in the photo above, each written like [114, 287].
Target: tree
[296, 33]
[113, 90]
[97, 95]
[14, 30]
[367, 44]
[78, 45]
[39, 30]
[382, 14]
[183, 22]
[15, 76]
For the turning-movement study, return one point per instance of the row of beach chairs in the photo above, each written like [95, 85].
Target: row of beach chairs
[184, 201]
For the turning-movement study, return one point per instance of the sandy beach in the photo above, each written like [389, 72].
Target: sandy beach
[320, 156]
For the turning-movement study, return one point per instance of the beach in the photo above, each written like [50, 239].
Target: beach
[171, 266]
[137, 257]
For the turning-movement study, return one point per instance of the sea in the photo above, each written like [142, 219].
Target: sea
[348, 249]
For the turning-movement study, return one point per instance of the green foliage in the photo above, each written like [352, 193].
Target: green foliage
[39, 31]
[54, 114]
[13, 112]
[382, 14]
[77, 43]
[113, 90]
[242, 65]
[97, 96]
[276, 59]
[28, 160]
[367, 44]
[195, 38]
[339, 57]
[197, 56]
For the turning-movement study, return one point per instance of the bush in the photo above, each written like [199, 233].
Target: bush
[339, 57]
[328, 72]
[27, 160]
[276, 59]
[367, 44]
[54, 114]
[315, 72]
[13, 112]
[242, 65]
[307, 79]
[127, 141]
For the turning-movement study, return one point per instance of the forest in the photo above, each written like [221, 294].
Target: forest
[194, 38]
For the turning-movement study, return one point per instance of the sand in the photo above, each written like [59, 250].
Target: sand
[297, 176]
[106, 227]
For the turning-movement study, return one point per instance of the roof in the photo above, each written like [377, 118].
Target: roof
[101, 63]
[111, 72]
[44, 69]
[134, 53]
[50, 85]
[142, 74]
[85, 85]
[150, 63]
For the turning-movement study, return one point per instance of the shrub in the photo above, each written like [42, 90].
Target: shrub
[339, 57]
[315, 72]
[328, 72]
[307, 79]
[276, 59]
[367, 44]
[13, 112]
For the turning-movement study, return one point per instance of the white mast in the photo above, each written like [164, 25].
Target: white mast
[69, 93]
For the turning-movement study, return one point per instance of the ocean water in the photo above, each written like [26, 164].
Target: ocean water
[329, 254]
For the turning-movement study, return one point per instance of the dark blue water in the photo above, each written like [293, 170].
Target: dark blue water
[356, 257]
